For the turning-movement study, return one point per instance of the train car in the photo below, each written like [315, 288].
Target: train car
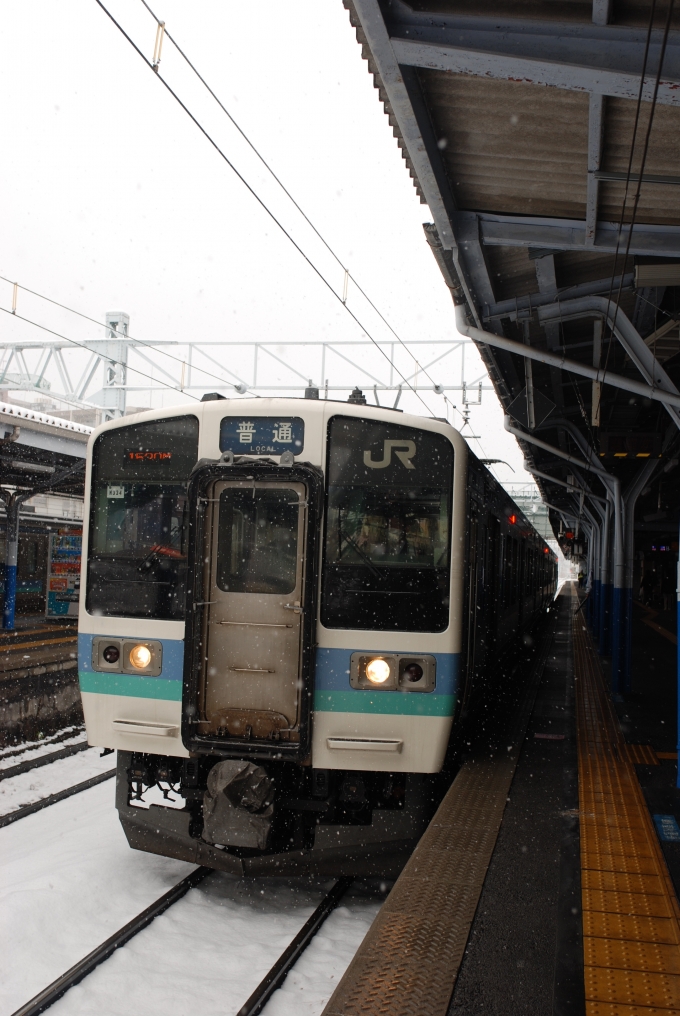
[286, 607]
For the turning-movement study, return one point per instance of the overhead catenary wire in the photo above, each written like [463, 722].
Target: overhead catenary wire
[259, 200]
[82, 345]
[122, 335]
[347, 274]
[643, 160]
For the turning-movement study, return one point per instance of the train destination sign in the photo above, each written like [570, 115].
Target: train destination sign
[150, 455]
[262, 435]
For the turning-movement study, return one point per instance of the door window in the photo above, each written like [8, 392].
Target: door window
[257, 541]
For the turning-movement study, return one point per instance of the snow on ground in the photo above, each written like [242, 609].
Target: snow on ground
[315, 976]
[27, 788]
[43, 749]
[68, 880]
[12, 754]
[209, 952]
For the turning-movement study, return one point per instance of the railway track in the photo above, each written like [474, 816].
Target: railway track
[60, 795]
[258, 999]
[43, 760]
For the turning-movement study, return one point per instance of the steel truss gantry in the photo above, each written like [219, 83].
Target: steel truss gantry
[120, 364]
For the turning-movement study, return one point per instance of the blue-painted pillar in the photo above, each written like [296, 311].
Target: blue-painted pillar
[605, 619]
[605, 585]
[618, 595]
[677, 593]
[595, 609]
[11, 552]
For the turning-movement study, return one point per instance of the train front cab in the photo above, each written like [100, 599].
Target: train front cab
[320, 674]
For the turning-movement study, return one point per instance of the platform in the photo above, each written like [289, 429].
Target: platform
[542, 885]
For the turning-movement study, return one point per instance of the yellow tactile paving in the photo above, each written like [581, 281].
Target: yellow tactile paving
[642, 755]
[631, 925]
[608, 1009]
[621, 881]
[627, 955]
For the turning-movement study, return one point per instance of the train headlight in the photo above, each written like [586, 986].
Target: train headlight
[140, 657]
[378, 671]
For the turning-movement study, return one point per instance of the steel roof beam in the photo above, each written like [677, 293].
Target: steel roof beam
[595, 141]
[522, 307]
[597, 58]
[668, 399]
[570, 234]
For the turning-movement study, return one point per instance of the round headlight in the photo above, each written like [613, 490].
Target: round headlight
[377, 671]
[413, 672]
[111, 654]
[140, 657]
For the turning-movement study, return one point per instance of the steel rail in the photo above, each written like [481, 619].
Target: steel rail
[61, 795]
[259, 998]
[45, 998]
[278, 973]
[43, 760]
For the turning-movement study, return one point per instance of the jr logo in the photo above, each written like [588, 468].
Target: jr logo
[404, 450]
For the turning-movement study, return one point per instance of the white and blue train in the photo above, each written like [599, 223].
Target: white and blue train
[286, 606]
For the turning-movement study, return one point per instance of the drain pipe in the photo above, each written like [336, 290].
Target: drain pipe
[670, 399]
[613, 488]
[594, 568]
[629, 500]
[562, 483]
[594, 615]
[606, 588]
[621, 326]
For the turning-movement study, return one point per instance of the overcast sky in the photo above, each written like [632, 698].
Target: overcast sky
[113, 200]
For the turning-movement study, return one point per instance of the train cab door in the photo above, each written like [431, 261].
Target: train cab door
[258, 574]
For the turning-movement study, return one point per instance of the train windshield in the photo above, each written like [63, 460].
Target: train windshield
[388, 526]
[139, 519]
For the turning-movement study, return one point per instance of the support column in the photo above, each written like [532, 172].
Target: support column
[677, 593]
[605, 588]
[11, 552]
[630, 501]
[618, 587]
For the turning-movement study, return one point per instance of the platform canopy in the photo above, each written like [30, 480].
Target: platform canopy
[517, 122]
[40, 451]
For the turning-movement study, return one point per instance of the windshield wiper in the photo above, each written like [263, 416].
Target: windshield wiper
[371, 567]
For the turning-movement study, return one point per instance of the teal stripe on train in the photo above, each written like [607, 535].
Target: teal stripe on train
[393, 703]
[130, 685]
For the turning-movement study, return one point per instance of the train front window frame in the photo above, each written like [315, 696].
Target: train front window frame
[387, 547]
[139, 519]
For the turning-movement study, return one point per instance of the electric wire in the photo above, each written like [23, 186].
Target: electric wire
[283, 187]
[82, 345]
[123, 335]
[259, 200]
[642, 161]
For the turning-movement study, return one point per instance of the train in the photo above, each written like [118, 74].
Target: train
[287, 608]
